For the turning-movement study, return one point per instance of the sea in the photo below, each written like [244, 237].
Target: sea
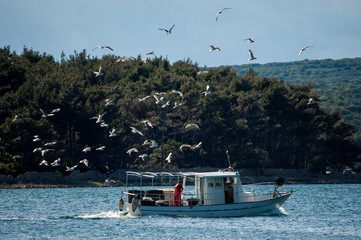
[321, 211]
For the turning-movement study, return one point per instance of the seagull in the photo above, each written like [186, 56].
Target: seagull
[134, 130]
[178, 92]
[213, 48]
[102, 47]
[56, 163]
[144, 157]
[167, 104]
[176, 104]
[86, 149]
[169, 158]
[39, 149]
[184, 146]
[85, 162]
[44, 163]
[303, 49]
[207, 91]
[158, 99]
[15, 118]
[50, 143]
[192, 125]
[250, 40]
[197, 146]
[251, 56]
[70, 169]
[143, 99]
[43, 152]
[112, 133]
[101, 148]
[131, 150]
[99, 73]
[221, 12]
[55, 110]
[103, 124]
[108, 102]
[149, 53]
[310, 101]
[99, 119]
[168, 31]
[45, 115]
[147, 123]
[36, 138]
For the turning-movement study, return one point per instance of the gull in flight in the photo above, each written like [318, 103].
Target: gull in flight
[250, 40]
[178, 92]
[36, 138]
[176, 104]
[45, 114]
[144, 157]
[134, 130]
[303, 49]
[143, 99]
[99, 73]
[85, 162]
[131, 150]
[56, 163]
[70, 169]
[251, 56]
[112, 133]
[39, 149]
[99, 119]
[169, 158]
[149, 53]
[213, 48]
[158, 100]
[86, 149]
[50, 143]
[168, 31]
[192, 125]
[15, 118]
[45, 151]
[197, 146]
[101, 148]
[147, 123]
[167, 104]
[55, 110]
[207, 91]
[102, 47]
[219, 12]
[310, 101]
[108, 102]
[184, 146]
[44, 163]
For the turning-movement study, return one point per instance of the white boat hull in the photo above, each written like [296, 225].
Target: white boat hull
[221, 210]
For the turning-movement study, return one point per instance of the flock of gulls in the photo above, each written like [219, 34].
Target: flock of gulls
[44, 148]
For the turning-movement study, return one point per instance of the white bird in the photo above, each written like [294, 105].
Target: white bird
[178, 92]
[169, 158]
[86, 149]
[221, 11]
[251, 56]
[144, 157]
[101, 148]
[184, 146]
[15, 118]
[112, 133]
[167, 104]
[207, 91]
[147, 123]
[303, 49]
[45, 151]
[168, 31]
[36, 138]
[250, 40]
[70, 169]
[176, 104]
[158, 100]
[131, 150]
[192, 125]
[99, 73]
[45, 115]
[144, 98]
[85, 162]
[150, 53]
[310, 101]
[50, 143]
[134, 130]
[44, 163]
[55, 110]
[99, 118]
[37, 149]
[213, 48]
[108, 102]
[197, 146]
[56, 163]
[102, 47]
[103, 124]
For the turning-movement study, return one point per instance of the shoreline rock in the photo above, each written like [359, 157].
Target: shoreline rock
[118, 178]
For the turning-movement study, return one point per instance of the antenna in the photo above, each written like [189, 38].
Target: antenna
[229, 162]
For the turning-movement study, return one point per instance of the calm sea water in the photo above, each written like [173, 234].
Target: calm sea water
[312, 212]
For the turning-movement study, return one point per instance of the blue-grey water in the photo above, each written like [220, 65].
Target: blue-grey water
[312, 212]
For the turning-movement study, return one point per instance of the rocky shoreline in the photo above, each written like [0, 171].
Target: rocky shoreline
[117, 179]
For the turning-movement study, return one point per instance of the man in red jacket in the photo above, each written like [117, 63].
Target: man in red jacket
[178, 189]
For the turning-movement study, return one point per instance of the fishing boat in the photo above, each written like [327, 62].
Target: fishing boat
[199, 194]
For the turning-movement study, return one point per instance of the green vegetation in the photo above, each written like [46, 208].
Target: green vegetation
[337, 81]
[261, 121]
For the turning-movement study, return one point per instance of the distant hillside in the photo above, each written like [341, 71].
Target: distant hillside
[338, 82]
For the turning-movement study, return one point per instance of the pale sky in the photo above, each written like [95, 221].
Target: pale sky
[280, 27]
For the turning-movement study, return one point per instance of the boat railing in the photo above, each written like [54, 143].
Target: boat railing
[266, 188]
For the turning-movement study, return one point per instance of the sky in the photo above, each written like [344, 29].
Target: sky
[280, 28]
